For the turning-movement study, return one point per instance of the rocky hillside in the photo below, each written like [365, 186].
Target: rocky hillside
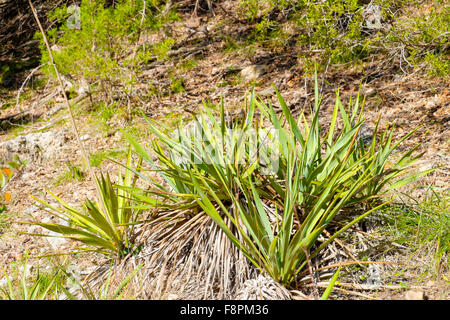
[165, 63]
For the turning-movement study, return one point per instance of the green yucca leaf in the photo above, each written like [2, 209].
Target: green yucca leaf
[292, 123]
[409, 179]
[261, 214]
[333, 123]
[330, 286]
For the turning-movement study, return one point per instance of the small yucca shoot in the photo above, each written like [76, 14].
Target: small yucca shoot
[106, 226]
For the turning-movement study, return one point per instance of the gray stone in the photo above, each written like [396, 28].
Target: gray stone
[83, 87]
[254, 71]
[34, 146]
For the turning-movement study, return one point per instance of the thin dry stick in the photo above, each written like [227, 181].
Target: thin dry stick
[52, 61]
[72, 119]
[367, 287]
[136, 47]
[347, 291]
[139, 31]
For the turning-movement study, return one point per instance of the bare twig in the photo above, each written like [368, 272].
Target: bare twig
[350, 263]
[136, 47]
[364, 286]
[24, 83]
[167, 7]
[348, 292]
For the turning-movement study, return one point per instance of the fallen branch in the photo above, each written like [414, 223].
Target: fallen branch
[24, 83]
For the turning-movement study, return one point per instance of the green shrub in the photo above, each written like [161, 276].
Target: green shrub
[424, 38]
[341, 32]
[177, 85]
[104, 51]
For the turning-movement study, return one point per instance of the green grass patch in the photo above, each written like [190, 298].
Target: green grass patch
[189, 64]
[423, 226]
[96, 159]
[71, 173]
[22, 284]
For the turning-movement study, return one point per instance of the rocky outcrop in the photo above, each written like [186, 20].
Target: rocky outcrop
[34, 146]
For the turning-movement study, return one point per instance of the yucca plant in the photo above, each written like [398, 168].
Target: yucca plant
[206, 143]
[312, 188]
[107, 226]
[218, 149]
[271, 205]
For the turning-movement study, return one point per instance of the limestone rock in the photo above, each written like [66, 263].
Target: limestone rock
[34, 146]
[374, 276]
[253, 72]
[83, 87]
